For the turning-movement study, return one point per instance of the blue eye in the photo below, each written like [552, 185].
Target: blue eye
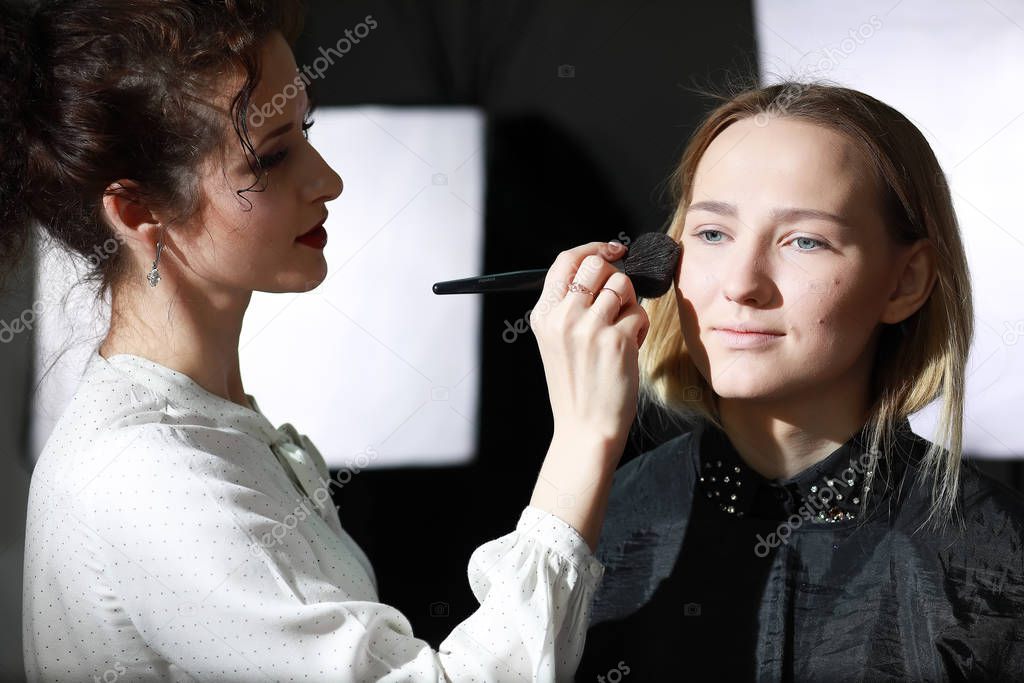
[704, 232]
[815, 244]
[808, 239]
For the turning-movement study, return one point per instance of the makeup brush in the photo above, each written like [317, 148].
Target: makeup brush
[650, 264]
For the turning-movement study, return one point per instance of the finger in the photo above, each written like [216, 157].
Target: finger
[613, 298]
[562, 272]
[645, 329]
[593, 272]
[634, 323]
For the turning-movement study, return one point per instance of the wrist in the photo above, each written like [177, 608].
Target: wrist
[588, 446]
[574, 483]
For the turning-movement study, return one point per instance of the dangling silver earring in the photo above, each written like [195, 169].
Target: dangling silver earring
[154, 275]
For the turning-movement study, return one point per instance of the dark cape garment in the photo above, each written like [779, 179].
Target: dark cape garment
[715, 573]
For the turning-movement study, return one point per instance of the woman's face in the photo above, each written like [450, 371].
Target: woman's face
[784, 233]
[236, 248]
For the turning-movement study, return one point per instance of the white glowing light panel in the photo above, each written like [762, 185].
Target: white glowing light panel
[372, 366]
[953, 68]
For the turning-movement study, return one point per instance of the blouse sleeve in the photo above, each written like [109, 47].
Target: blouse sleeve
[227, 578]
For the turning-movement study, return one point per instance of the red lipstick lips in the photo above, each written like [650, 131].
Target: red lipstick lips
[315, 238]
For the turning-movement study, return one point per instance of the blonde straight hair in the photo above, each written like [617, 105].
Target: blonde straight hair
[919, 360]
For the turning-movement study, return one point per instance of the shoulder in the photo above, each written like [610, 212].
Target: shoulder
[982, 490]
[989, 508]
[982, 547]
[651, 491]
[982, 568]
[152, 463]
[993, 512]
[118, 437]
[655, 470]
[649, 485]
[644, 525]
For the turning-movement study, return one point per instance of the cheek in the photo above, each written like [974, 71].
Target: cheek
[694, 291]
[249, 217]
[252, 236]
[690, 315]
[695, 278]
[832, 316]
[230, 244]
[249, 232]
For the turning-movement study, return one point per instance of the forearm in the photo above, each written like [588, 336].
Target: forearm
[575, 480]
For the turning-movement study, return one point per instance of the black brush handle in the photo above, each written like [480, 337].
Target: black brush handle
[650, 265]
[516, 281]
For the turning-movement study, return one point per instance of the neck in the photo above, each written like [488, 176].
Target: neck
[191, 330]
[781, 438]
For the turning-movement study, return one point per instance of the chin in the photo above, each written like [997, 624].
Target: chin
[736, 382]
[737, 393]
[310, 280]
[307, 285]
[294, 284]
[751, 396]
[311, 285]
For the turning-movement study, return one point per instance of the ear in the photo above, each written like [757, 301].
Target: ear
[130, 219]
[915, 281]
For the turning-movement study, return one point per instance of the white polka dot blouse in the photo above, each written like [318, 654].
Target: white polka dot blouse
[174, 535]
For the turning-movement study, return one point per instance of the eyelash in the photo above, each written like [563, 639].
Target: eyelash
[274, 159]
[820, 243]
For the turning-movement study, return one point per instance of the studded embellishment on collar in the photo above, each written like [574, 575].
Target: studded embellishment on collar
[827, 492]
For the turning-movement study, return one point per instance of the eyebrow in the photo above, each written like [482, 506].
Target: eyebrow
[277, 132]
[778, 214]
[284, 128]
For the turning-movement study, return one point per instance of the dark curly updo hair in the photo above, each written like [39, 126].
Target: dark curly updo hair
[95, 91]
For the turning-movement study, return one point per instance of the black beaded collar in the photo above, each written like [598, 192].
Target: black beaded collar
[827, 492]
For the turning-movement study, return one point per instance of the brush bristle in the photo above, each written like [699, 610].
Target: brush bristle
[651, 264]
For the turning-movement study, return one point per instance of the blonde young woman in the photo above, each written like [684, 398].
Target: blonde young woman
[173, 533]
[800, 530]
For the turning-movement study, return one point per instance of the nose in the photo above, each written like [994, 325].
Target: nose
[326, 184]
[745, 278]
